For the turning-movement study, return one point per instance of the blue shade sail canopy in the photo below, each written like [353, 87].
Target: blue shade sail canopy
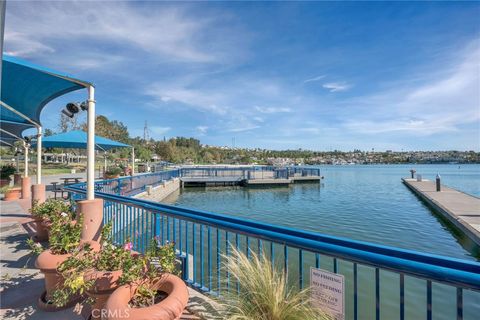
[78, 140]
[27, 88]
[13, 131]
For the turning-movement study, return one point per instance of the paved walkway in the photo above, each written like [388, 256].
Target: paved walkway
[21, 283]
[462, 209]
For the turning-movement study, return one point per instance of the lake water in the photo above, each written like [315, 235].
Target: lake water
[367, 203]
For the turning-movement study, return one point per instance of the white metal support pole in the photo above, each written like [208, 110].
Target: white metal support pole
[104, 161]
[133, 161]
[25, 147]
[39, 155]
[91, 144]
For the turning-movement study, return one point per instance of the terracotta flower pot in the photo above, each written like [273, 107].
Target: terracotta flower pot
[105, 282]
[13, 194]
[48, 263]
[41, 229]
[169, 308]
[111, 176]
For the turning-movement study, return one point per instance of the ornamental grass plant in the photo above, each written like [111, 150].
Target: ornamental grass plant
[265, 293]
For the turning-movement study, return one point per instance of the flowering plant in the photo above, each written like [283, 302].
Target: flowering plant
[109, 258]
[161, 259]
[141, 270]
[52, 209]
[64, 236]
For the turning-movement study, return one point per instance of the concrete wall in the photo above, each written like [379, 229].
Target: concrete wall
[160, 192]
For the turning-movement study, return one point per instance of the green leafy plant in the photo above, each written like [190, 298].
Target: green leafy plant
[142, 270]
[160, 259]
[113, 171]
[64, 236]
[109, 258]
[52, 209]
[5, 189]
[162, 255]
[265, 292]
[35, 247]
[6, 171]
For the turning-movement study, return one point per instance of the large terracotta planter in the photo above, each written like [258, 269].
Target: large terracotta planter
[170, 308]
[48, 263]
[13, 194]
[105, 282]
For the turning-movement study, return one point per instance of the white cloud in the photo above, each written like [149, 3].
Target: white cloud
[20, 44]
[273, 109]
[336, 86]
[195, 99]
[442, 101]
[241, 129]
[202, 130]
[314, 79]
[74, 28]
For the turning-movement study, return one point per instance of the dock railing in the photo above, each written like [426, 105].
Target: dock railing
[249, 172]
[382, 282]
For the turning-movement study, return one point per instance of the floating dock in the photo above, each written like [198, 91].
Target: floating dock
[461, 209]
[210, 181]
[298, 179]
[249, 176]
[267, 182]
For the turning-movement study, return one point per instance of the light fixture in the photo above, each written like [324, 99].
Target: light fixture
[67, 113]
[84, 106]
[73, 108]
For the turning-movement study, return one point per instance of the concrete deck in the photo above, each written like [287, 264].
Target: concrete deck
[21, 283]
[461, 209]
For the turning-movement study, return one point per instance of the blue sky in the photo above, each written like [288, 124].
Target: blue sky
[312, 75]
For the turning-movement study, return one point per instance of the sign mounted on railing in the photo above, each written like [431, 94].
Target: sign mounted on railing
[328, 292]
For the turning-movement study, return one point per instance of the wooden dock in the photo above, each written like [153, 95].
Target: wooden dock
[461, 209]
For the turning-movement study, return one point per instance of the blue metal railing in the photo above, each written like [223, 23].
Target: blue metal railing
[202, 239]
[132, 185]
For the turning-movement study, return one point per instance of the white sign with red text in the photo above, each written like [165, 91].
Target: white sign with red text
[328, 292]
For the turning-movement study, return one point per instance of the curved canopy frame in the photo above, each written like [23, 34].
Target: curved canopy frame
[27, 88]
